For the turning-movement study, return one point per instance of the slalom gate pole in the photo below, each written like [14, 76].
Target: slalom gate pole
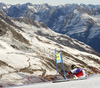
[31, 79]
[26, 79]
[56, 63]
[64, 71]
[63, 66]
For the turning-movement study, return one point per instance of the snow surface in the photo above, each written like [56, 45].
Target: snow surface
[32, 8]
[4, 7]
[92, 82]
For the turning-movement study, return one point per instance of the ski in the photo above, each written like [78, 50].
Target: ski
[56, 81]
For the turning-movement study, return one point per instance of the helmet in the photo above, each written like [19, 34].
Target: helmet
[73, 66]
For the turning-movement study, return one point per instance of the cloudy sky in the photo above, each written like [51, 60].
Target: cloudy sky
[52, 2]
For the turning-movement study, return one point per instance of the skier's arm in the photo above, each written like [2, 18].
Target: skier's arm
[74, 70]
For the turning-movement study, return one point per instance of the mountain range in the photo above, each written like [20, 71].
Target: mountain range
[27, 46]
[81, 22]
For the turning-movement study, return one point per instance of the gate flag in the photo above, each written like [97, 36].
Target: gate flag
[59, 57]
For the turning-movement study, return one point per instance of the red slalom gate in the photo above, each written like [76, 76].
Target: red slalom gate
[31, 78]
[0, 86]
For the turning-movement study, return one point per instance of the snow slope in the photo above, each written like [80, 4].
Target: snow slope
[29, 50]
[91, 82]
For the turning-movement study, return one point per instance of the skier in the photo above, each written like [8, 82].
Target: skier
[76, 72]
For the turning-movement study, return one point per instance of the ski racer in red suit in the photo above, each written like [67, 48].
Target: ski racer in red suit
[76, 72]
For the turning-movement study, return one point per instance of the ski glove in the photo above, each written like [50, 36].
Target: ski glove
[67, 73]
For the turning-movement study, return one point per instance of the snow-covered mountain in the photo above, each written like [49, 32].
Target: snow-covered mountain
[81, 22]
[27, 47]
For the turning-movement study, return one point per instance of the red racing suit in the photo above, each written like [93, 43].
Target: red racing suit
[78, 72]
